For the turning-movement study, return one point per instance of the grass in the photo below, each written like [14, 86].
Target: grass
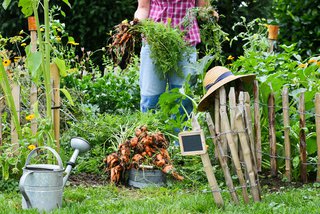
[174, 199]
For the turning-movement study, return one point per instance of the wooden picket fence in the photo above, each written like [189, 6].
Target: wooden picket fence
[236, 135]
[286, 127]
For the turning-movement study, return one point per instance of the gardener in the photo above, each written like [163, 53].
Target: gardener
[151, 84]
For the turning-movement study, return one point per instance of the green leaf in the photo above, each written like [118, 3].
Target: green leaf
[67, 94]
[26, 5]
[67, 3]
[5, 4]
[295, 162]
[33, 62]
[61, 65]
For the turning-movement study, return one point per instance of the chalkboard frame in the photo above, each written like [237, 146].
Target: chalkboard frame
[200, 133]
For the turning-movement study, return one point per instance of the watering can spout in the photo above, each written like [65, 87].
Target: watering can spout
[80, 145]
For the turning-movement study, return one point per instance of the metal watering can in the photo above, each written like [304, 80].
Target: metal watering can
[41, 185]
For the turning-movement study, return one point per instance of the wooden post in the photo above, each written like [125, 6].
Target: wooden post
[33, 90]
[222, 160]
[232, 107]
[56, 103]
[248, 122]
[302, 136]
[234, 153]
[317, 106]
[273, 31]
[257, 128]
[286, 124]
[272, 135]
[216, 192]
[251, 170]
[217, 120]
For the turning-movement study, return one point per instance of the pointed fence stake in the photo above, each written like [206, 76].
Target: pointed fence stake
[302, 136]
[257, 128]
[234, 153]
[317, 104]
[222, 159]
[253, 178]
[286, 124]
[272, 135]
[216, 192]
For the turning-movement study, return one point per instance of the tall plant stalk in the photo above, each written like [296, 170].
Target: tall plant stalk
[44, 48]
[4, 81]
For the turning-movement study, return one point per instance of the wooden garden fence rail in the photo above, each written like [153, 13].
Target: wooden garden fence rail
[286, 127]
[237, 136]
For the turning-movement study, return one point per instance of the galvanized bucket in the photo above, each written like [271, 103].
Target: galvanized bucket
[141, 178]
[41, 185]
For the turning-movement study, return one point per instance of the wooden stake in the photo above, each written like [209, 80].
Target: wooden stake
[216, 192]
[286, 123]
[33, 89]
[302, 136]
[234, 153]
[257, 128]
[217, 119]
[232, 107]
[240, 128]
[317, 106]
[248, 122]
[56, 103]
[222, 159]
[272, 135]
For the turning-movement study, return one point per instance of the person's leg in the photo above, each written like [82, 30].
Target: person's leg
[176, 81]
[151, 86]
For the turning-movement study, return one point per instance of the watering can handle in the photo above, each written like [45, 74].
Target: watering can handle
[45, 147]
[22, 190]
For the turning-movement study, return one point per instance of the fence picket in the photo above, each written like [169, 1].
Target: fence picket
[257, 128]
[317, 107]
[302, 136]
[286, 124]
[272, 135]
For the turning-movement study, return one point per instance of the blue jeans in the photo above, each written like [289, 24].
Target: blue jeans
[152, 86]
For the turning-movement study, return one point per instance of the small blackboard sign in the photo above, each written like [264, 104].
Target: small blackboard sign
[192, 143]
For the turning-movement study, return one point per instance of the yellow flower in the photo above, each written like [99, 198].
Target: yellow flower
[16, 58]
[318, 63]
[41, 29]
[73, 43]
[6, 62]
[21, 32]
[312, 61]
[31, 147]
[30, 117]
[23, 44]
[230, 57]
[58, 38]
[303, 65]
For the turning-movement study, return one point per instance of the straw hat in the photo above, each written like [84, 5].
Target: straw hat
[217, 77]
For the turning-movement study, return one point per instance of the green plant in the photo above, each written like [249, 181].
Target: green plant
[167, 46]
[298, 17]
[276, 70]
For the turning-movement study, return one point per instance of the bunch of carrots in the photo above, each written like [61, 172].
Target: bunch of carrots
[123, 40]
[144, 146]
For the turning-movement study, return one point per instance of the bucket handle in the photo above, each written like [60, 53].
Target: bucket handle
[45, 147]
[22, 189]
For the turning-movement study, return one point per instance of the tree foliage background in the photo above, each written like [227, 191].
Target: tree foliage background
[89, 21]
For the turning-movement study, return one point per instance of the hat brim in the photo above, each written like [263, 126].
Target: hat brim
[204, 102]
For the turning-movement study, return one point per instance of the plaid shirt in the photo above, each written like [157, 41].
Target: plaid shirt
[161, 10]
